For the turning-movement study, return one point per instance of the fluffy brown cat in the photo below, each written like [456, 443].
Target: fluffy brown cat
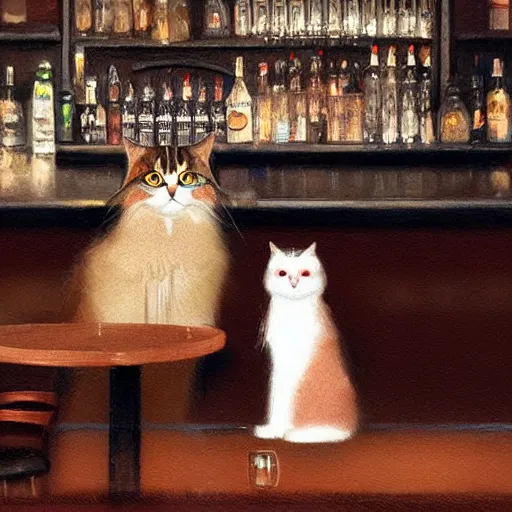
[166, 243]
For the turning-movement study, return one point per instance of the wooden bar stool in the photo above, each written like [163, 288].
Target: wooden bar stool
[25, 418]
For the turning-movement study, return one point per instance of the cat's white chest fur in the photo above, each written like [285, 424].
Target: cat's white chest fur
[292, 331]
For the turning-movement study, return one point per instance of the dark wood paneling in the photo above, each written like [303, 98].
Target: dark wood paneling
[470, 16]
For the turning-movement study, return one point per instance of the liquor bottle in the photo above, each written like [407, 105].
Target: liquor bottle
[389, 18]
[476, 102]
[243, 18]
[142, 18]
[263, 106]
[146, 117]
[315, 99]
[498, 107]
[83, 17]
[372, 99]
[261, 18]
[202, 113]
[297, 102]
[216, 19]
[13, 133]
[352, 108]
[79, 75]
[315, 18]
[219, 109]
[14, 11]
[179, 20]
[425, 18]
[369, 18]
[66, 119]
[454, 121]
[129, 114]
[334, 19]
[343, 78]
[296, 19]
[351, 18]
[406, 22]
[114, 129]
[280, 111]
[160, 30]
[334, 105]
[390, 99]
[101, 124]
[184, 127]
[165, 121]
[239, 109]
[123, 18]
[88, 133]
[425, 98]
[103, 17]
[279, 19]
[499, 14]
[43, 116]
[409, 125]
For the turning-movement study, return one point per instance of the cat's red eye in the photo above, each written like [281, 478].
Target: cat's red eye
[306, 273]
[281, 273]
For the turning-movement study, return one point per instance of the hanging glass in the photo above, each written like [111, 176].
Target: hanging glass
[83, 16]
[334, 17]
[351, 18]
[103, 17]
[388, 18]
[426, 18]
[179, 20]
[315, 19]
[279, 19]
[369, 18]
[296, 18]
[123, 18]
[261, 18]
[160, 30]
[243, 18]
[142, 18]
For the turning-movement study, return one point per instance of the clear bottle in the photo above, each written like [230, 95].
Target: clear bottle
[219, 109]
[261, 18]
[280, 110]
[409, 125]
[406, 23]
[369, 18]
[334, 19]
[477, 103]
[334, 106]
[427, 135]
[296, 19]
[179, 20]
[165, 120]
[425, 18]
[279, 19]
[83, 17]
[88, 120]
[315, 18]
[239, 109]
[316, 101]
[243, 18]
[160, 31]
[263, 106]
[388, 25]
[351, 18]
[101, 124]
[498, 106]
[142, 18]
[390, 99]
[216, 19]
[13, 132]
[146, 113]
[297, 102]
[103, 17]
[202, 113]
[123, 18]
[454, 122]
[184, 119]
[66, 120]
[43, 113]
[114, 129]
[372, 99]
[129, 114]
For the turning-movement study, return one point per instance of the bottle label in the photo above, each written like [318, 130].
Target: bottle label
[239, 124]
[214, 21]
[282, 132]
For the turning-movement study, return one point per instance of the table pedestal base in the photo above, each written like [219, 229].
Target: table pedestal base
[125, 431]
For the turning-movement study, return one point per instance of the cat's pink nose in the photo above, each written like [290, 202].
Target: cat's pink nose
[172, 189]
[294, 281]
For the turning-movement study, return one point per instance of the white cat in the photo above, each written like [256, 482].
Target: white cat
[311, 398]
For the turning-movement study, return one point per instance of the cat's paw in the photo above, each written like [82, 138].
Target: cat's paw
[268, 432]
[317, 435]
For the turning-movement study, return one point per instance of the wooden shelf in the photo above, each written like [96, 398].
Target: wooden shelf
[489, 35]
[247, 44]
[78, 149]
[49, 34]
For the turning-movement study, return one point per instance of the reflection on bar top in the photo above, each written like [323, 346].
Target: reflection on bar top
[26, 180]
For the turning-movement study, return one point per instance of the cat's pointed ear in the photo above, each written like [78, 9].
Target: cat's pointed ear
[311, 250]
[136, 154]
[273, 248]
[204, 148]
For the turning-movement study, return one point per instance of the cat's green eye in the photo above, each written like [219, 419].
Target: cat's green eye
[153, 179]
[191, 179]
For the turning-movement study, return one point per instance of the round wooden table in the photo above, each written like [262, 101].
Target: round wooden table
[122, 347]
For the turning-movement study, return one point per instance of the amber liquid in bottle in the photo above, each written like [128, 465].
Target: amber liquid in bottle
[114, 108]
